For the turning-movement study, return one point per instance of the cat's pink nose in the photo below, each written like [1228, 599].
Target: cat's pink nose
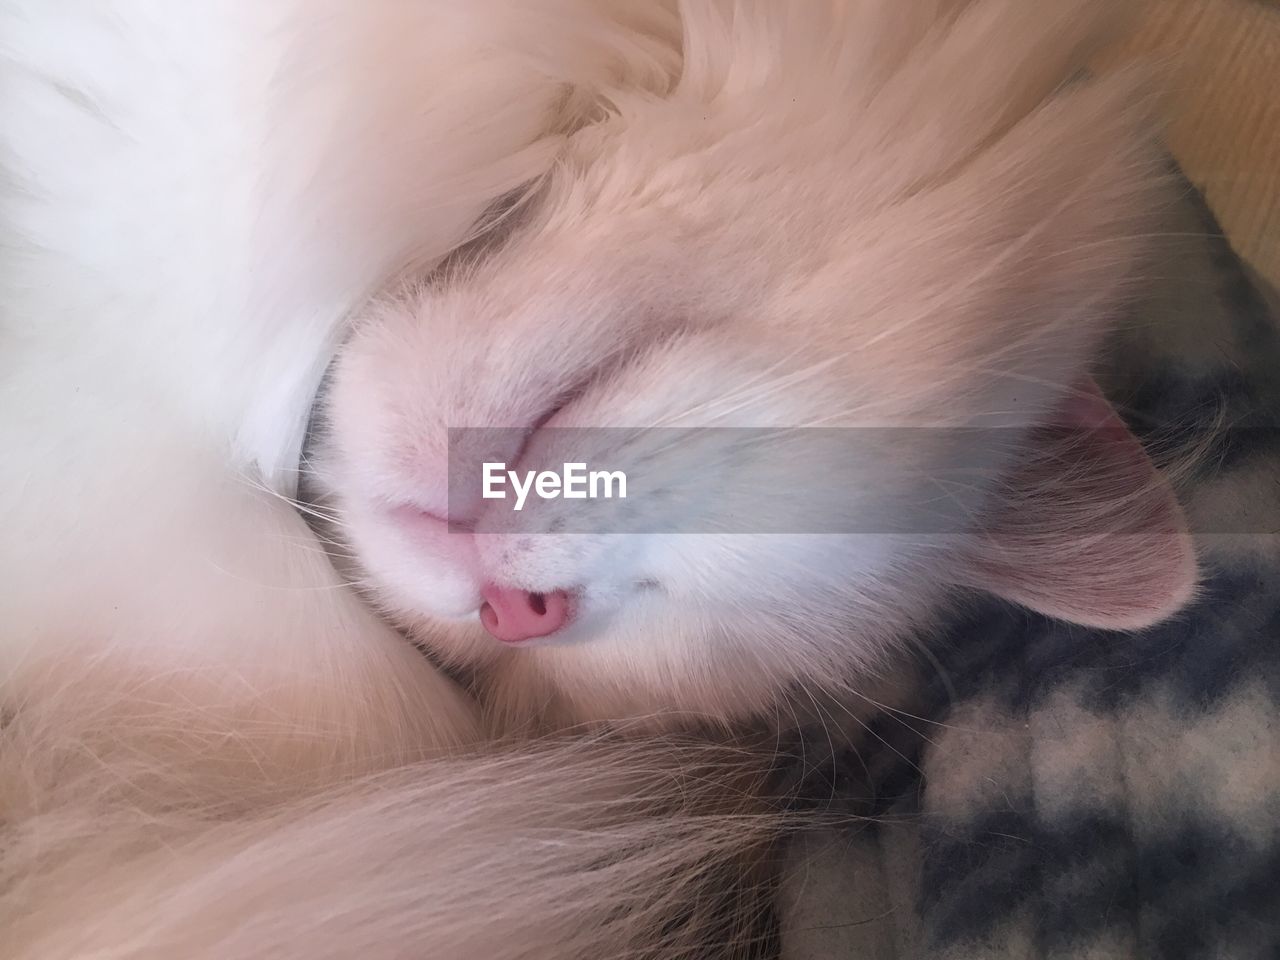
[514, 616]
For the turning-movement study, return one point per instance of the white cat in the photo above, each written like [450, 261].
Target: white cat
[743, 214]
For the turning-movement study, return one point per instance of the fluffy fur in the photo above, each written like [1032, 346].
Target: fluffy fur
[160, 838]
[844, 215]
[742, 213]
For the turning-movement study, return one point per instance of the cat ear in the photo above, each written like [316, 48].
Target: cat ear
[1088, 531]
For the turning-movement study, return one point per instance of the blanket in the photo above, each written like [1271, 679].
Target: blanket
[1064, 792]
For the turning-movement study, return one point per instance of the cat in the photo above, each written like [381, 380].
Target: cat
[572, 213]
[782, 241]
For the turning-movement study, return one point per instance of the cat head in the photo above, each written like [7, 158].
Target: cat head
[908, 227]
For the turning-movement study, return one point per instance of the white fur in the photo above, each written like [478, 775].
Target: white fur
[193, 205]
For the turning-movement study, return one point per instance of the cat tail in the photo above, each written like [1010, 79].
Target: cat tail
[587, 848]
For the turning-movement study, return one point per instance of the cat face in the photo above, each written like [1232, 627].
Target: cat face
[795, 243]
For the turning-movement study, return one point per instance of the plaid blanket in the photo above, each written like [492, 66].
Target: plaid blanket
[1064, 792]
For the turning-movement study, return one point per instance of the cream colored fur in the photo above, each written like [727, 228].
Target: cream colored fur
[842, 215]
[846, 212]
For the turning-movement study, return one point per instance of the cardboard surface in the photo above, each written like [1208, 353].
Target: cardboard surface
[1225, 112]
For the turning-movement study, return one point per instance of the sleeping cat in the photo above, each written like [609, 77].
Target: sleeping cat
[785, 240]
[580, 214]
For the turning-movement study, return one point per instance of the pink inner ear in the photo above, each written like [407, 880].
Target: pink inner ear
[1089, 531]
